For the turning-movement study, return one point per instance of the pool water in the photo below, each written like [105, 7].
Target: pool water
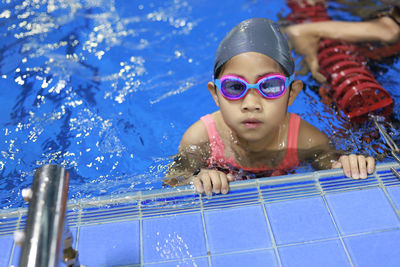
[107, 88]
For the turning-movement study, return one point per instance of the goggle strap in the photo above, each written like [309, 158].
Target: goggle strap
[289, 80]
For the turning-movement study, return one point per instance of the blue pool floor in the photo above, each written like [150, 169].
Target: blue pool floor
[316, 219]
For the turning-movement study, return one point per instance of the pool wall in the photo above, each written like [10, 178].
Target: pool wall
[312, 219]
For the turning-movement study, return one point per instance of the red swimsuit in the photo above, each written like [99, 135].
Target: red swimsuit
[217, 149]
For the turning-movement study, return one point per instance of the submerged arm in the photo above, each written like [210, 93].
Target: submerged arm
[314, 146]
[190, 166]
[192, 156]
[188, 162]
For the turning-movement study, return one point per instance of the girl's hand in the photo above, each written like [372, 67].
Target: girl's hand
[355, 166]
[209, 181]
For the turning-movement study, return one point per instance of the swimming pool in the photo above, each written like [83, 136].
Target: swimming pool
[107, 88]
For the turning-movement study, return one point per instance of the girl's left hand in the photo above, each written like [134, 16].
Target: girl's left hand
[355, 166]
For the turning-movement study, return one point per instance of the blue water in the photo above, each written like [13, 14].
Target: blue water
[107, 88]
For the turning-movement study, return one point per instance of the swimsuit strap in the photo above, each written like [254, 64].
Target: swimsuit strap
[293, 132]
[217, 146]
[291, 159]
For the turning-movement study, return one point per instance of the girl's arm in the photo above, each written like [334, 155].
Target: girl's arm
[192, 155]
[190, 165]
[315, 146]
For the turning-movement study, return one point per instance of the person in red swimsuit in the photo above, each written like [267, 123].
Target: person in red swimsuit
[305, 37]
[252, 134]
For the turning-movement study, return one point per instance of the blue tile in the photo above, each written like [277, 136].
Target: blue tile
[109, 244]
[237, 229]
[325, 253]
[300, 220]
[173, 237]
[362, 211]
[394, 193]
[378, 249]
[6, 243]
[17, 249]
[254, 258]
[199, 262]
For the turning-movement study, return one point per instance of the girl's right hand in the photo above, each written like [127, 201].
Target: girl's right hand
[209, 181]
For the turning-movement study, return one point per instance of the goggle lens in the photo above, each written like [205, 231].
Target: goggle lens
[272, 87]
[233, 87]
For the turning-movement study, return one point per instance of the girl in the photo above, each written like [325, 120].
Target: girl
[252, 134]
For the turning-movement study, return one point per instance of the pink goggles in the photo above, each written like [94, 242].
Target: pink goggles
[270, 86]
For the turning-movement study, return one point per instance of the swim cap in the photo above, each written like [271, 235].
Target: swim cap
[255, 35]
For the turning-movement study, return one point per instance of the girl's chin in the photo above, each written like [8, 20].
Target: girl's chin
[252, 138]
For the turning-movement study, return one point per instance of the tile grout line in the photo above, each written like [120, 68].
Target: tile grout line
[140, 229]
[333, 220]
[141, 241]
[344, 236]
[177, 260]
[383, 187]
[205, 231]
[314, 241]
[13, 245]
[372, 232]
[78, 226]
[338, 231]
[271, 234]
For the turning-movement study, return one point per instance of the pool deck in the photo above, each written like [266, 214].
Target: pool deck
[310, 219]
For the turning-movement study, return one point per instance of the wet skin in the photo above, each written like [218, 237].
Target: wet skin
[254, 130]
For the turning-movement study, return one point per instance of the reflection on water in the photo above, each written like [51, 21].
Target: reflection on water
[107, 88]
[70, 71]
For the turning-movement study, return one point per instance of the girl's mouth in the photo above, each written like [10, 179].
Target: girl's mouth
[251, 123]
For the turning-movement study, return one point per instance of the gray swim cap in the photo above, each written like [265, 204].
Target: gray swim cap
[255, 35]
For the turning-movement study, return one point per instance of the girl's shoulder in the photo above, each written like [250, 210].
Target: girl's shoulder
[197, 133]
[311, 137]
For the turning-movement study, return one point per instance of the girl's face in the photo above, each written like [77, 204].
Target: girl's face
[253, 118]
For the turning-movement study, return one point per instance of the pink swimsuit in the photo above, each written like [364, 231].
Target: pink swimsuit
[217, 150]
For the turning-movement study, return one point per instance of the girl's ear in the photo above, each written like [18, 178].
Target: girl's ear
[296, 87]
[213, 90]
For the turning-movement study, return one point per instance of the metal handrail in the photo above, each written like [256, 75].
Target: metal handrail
[46, 229]
[394, 149]
[389, 141]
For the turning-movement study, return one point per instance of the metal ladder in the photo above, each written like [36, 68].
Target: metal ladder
[47, 240]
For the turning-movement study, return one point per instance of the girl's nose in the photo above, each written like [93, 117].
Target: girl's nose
[251, 101]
